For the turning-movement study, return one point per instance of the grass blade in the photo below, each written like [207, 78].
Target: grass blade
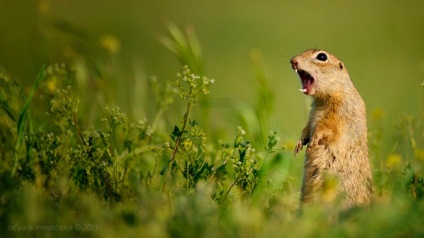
[24, 112]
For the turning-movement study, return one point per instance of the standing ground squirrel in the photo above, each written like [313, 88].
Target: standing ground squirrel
[336, 133]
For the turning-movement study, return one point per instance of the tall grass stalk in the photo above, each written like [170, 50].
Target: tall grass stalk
[25, 118]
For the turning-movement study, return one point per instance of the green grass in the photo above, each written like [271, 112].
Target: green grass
[122, 177]
[88, 147]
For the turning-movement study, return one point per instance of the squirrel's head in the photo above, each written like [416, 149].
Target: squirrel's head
[321, 73]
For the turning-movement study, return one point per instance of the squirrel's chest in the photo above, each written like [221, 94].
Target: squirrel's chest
[325, 125]
[317, 117]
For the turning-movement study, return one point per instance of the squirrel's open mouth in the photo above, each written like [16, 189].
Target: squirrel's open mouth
[307, 81]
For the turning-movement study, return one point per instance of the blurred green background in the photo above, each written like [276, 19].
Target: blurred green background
[381, 42]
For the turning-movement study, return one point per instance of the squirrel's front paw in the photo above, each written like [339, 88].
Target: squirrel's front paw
[298, 147]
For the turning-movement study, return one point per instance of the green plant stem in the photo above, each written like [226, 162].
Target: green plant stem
[263, 162]
[229, 190]
[74, 117]
[8, 110]
[177, 143]
[414, 186]
[235, 181]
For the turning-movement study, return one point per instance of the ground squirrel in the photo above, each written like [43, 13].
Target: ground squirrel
[336, 133]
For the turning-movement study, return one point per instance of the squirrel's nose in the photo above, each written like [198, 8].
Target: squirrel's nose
[294, 63]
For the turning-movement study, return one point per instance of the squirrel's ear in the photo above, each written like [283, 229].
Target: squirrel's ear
[341, 65]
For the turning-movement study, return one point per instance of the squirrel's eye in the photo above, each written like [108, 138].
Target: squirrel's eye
[322, 57]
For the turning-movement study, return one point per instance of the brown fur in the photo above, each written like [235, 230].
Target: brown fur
[336, 135]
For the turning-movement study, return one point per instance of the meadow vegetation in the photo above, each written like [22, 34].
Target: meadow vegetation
[69, 156]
